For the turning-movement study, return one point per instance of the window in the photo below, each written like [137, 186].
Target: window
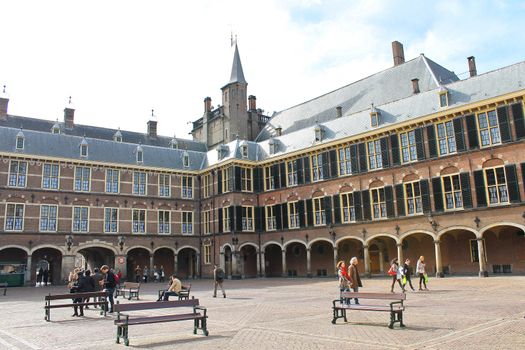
[206, 188]
[488, 128]
[187, 186]
[164, 185]
[226, 224]
[271, 224]
[139, 221]
[318, 134]
[187, 222]
[56, 128]
[247, 218]
[48, 218]
[374, 120]
[291, 170]
[164, 222]
[319, 213]
[14, 217]
[140, 155]
[244, 151]
[246, 179]
[375, 159]
[347, 207]
[293, 215]
[452, 192]
[378, 203]
[443, 99]
[474, 253]
[80, 219]
[269, 183]
[112, 180]
[20, 142]
[17, 174]
[408, 146]
[496, 186]
[345, 164]
[186, 160]
[207, 253]
[317, 167]
[446, 138]
[83, 150]
[111, 220]
[82, 179]
[273, 146]
[118, 138]
[206, 221]
[413, 201]
[139, 183]
[226, 176]
[50, 176]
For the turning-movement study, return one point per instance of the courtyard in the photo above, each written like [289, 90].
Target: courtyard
[456, 313]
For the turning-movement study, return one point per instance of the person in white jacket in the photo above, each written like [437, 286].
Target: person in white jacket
[420, 269]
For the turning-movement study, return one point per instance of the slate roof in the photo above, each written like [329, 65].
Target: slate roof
[237, 75]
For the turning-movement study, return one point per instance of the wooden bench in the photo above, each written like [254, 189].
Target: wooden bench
[184, 293]
[48, 298]
[131, 288]
[395, 307]
[123, 321]
[3, 286]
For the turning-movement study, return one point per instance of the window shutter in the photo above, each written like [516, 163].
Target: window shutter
[232, 217]
[389, 199]
[523, 172]
[337, 208]
[385, 154]
[238, 218]
[306, 165]
[367, 212]
[362, 157]
[237, 178]
[465, 190]
[504, 127]
[425, 195]
[394, 144]
[282, 169]
[431, 137]
[219, 181]
[326, 165]
[284, 214]
[309, 213]
[479, 182]
[420, 144]
[400, 200]
[300, 210]
[519, 124]
[328, 209]
[357, 206]
[278, 216]
[257, 179]
[512, 183]
[275, 175]
[438, 194]
[220, 220]
[472, 131]
[354, 159]
[259, 223]
[459, 134]
[333, 163]
[300, 175]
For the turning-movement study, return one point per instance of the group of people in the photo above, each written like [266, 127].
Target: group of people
[349, 279]
[402, 274]
[144, 274]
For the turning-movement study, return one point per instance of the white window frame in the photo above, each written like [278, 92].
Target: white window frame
[48, 218]
[186, 224]
[378, 208]
[186, 186]
[319, 213]
[140, 188]
[17, 221]
[501, 188]
[81, 179]
[139, 226]
[164, 188]
[163, 225]
[81, 219]
[455, 192]
[112, 182]
[111, 221]
[446, 138]
[52, 180]
[19, 177]
[270, 222]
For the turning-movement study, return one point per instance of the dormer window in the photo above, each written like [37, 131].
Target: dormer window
[244, 151]
[273, 146]
[84, 148]
[140, 155]
[20, 140]
[375, 117]
[117, 137]
[56, 128]
[443, 97]
[174, 143]
[222, 151]
[186, 160]
[318, 130]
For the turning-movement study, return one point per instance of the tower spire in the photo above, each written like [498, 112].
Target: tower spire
[237, 75]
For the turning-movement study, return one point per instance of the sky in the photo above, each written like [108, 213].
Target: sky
[120, 59]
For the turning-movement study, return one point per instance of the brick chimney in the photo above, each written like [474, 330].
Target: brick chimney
[398, 53]
[4, 101]
[338, 111]
[415, 85]
[152, 125]
[207, 104]
[69, 115]
[472, 66]
[252, 103]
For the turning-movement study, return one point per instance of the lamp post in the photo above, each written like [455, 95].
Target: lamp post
[69, 242]
[121, 242]
[432, 222]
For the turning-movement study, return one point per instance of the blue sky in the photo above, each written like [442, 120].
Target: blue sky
[120, 59]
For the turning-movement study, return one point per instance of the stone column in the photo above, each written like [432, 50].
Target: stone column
[335, 261]
[29, 269]
[222, 263]
[150, 277]
[176, 263]
[481, 255]
[308, 263]
[236, 256]
[258, 266]
[439, 264]
[284, 263]
[198, 265]
[68, 264]
[400, 254]
[381, 262]
[367, 260]
[120, 264]
[263, 264]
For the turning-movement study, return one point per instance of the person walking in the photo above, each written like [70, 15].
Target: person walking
[173, 290]
[161, 274]
[45, 276]
[39, 275]
[109, 285]
[420, 268]
[90, 285]
[355, 280]
[218, 278]
[397, 274]
[156, 273]
[145, 274]
[80, 286]
[344, 279]
[407, 269]
[97, 277]
[138, 274]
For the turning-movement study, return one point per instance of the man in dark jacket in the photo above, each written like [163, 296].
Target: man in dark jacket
[80, 286]
[98, 277]
[109, 285]
[90, 285]
[218, 277]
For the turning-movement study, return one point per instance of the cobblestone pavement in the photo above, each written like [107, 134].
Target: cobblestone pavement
[457, 313]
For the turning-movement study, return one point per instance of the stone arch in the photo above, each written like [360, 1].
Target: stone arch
[270, 243]
[309, 244]
[95, 245]
[350, 246]
[249, 244]
[273, 266]
[496, 224]
[187, 261]
[286, 244]
[321, 257]
[17, 247]
[382, 248]
[248, 259]
[454, 228]
[51, 246]
[504, 246]
[164, 247]
[137, 256]
[296, 258]
[412, 232]
[376, 183]
[449, 170]
[224, 246]
[377, 235]
[410, 177]
[15, 269]
[54, 256]
[337, 241]
[458, 244]
[492, 162]
[127, 250]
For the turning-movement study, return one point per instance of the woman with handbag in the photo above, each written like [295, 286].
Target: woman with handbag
[397, 274]
[344, 279]
[420, 268]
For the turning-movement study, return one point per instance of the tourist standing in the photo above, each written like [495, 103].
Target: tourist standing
[397, 274]
[80, 286]
[218, 278]
[344, 279]
[355, 280]
[407, 269]
[90, 285]
[156, 273]
[161, 274]
[109, 285]
[45, 276]
[145, 274]
[420, 268]
[98, 277]
[39, 275]
[138, 274]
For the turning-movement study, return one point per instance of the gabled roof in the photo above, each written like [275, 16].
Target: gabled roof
[386, 86]
[237, 75]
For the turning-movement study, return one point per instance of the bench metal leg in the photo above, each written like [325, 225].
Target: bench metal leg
[339, 313]
[204, 327]
[119, 334]
[392, 320]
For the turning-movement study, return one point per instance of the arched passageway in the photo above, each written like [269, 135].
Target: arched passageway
[459, 252]
[187, 263]
[13, 266]
[53, 259]
[382, 250]
[505, 250]
[94, 257]
[273, 262]
[227, 261]
[164, 259]
[296, 259]
[420, 244]
[137, 257]
[322, 259]
[348, 248]
[248, 261]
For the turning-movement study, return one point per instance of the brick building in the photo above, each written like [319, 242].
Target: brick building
[409, 161]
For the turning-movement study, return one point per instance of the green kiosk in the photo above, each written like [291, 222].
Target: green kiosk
[13, 273]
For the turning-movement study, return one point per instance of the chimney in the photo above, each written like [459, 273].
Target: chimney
[69, 116]
[472, 66]
[207, 104]
[338, 111]
[415, 85]
[4, 101]
[152, 125]
[279, 130]
[252, 103]
[398, 53]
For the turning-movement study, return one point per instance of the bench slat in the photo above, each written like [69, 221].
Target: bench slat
[384, 296]
[369, 307]
[158, 319]
[72, 304]
[155, 305]
[75, 295]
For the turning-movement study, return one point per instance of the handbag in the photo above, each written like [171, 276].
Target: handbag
[392, 271]
[426, 278]
[404, 280]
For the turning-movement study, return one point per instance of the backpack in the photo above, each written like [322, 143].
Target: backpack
[219, 274]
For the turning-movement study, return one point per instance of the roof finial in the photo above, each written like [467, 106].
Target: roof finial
[152, 112]
[69, 99]
[4, 89]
